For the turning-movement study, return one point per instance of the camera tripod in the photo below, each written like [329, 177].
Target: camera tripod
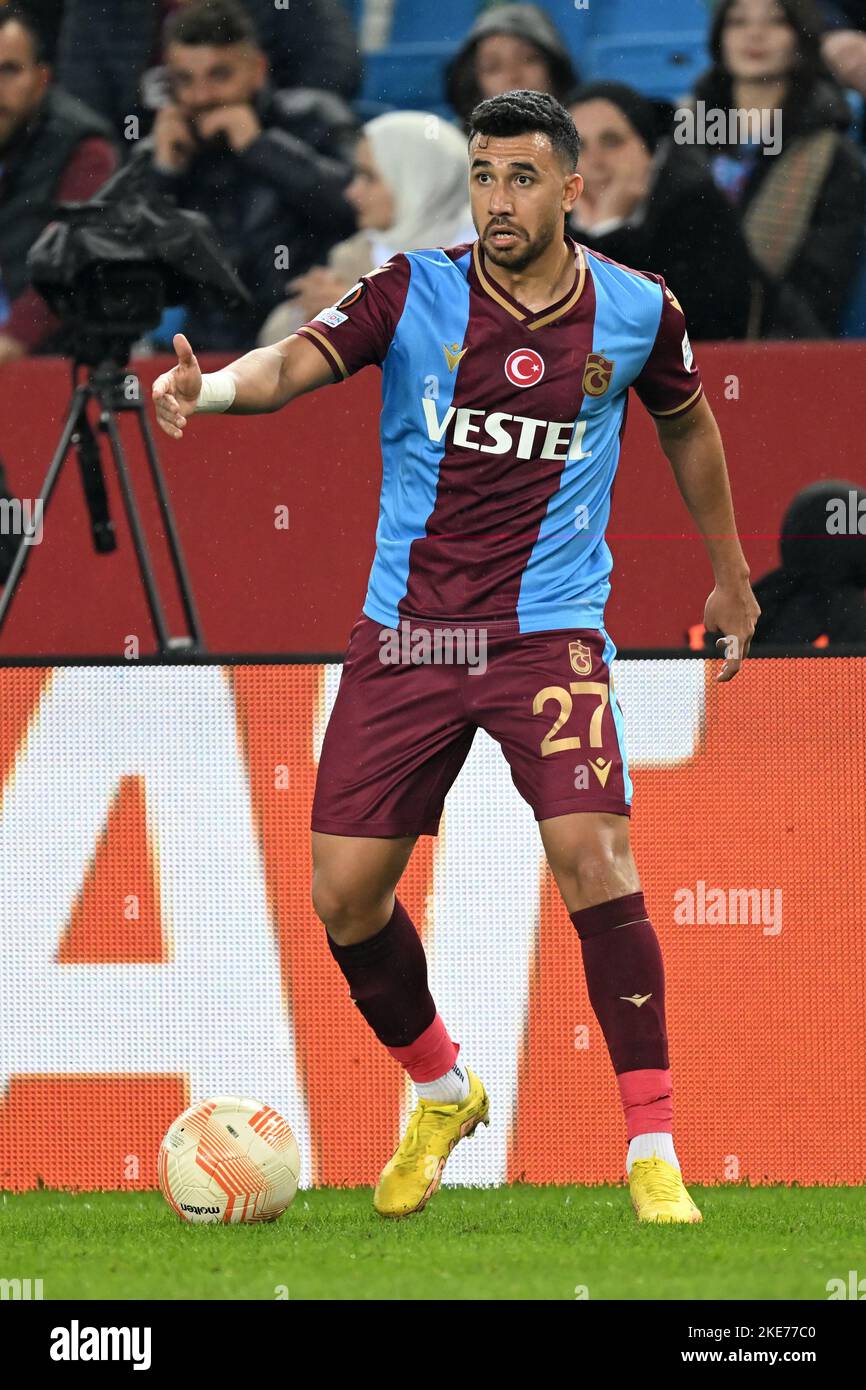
[108, 383]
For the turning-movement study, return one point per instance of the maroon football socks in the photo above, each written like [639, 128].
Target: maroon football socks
[387, 978]
[626, 984]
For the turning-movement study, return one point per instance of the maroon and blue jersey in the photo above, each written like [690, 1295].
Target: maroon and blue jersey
[501, 429]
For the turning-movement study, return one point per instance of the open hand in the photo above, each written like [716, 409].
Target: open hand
[175, 393]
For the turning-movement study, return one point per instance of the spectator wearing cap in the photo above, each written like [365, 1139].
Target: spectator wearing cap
[268, 169]
[651, 205]
[508, 48]
[53, 149]
[110, 51]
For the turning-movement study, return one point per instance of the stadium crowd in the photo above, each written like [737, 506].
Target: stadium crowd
[251, 113]
[247, 111]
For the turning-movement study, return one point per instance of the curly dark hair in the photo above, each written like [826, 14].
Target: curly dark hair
[520, 112]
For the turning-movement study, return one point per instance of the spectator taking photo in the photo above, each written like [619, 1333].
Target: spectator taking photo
[268, 168]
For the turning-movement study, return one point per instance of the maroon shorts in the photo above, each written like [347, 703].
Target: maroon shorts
[405, 717]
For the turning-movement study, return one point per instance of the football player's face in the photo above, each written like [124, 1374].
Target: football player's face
[519, 191]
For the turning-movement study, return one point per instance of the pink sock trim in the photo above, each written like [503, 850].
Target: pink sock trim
[646, 1100]
[430, 1055]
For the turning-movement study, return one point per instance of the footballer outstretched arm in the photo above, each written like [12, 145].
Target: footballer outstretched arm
[262, 381]
[694, 449]
[268, 378]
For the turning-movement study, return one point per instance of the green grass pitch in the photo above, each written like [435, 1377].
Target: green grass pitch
[516, 1242]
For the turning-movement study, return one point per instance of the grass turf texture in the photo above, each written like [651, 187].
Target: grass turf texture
[517, 1242]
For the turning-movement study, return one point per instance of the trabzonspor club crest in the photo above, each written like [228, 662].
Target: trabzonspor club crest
[597, 373]
[581, 658]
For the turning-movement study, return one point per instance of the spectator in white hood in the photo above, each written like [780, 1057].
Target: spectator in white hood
[409, 190]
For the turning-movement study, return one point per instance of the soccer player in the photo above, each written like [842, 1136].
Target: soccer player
[506, 364]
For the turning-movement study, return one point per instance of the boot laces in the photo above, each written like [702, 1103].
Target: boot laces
[663, 1182]
[417, 1131]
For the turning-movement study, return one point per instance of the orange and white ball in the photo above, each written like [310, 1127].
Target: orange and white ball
[229, 1159]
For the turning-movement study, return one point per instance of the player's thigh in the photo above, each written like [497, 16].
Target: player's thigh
[590, 856]
[396, 739]
[354, 878]
[548, 700]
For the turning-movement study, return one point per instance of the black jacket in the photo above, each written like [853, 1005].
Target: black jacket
[106, 45]
[843, 14]
[819, 588]
[809, 300]
[691, 236]
[31, 170]
[523, 21]
[276, 208]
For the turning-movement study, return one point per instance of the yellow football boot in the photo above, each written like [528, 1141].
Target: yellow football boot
[410, 1178]
[658, 1192]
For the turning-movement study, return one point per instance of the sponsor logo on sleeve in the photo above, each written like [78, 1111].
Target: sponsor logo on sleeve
[688, 355]
[332, 317]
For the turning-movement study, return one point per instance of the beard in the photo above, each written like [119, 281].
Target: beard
[525, 251]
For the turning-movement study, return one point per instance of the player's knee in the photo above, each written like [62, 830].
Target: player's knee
[329, 901]
[348, 909]
[599, 866]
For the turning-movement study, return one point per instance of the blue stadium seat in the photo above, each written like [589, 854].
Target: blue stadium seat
[644, 18]
[414, 22]
[576, 27]
[854, 318]
[440, 21]
[666, 66]
[407, 75]
[858, 115]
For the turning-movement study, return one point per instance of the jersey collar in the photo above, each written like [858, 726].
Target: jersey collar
[518, 310]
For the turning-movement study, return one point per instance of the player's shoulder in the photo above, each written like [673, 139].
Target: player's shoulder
[387, 286]
[639, 296]
[425, 262]
[443, 260]
[641, 282]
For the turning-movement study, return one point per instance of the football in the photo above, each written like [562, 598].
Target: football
[229, 1159]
